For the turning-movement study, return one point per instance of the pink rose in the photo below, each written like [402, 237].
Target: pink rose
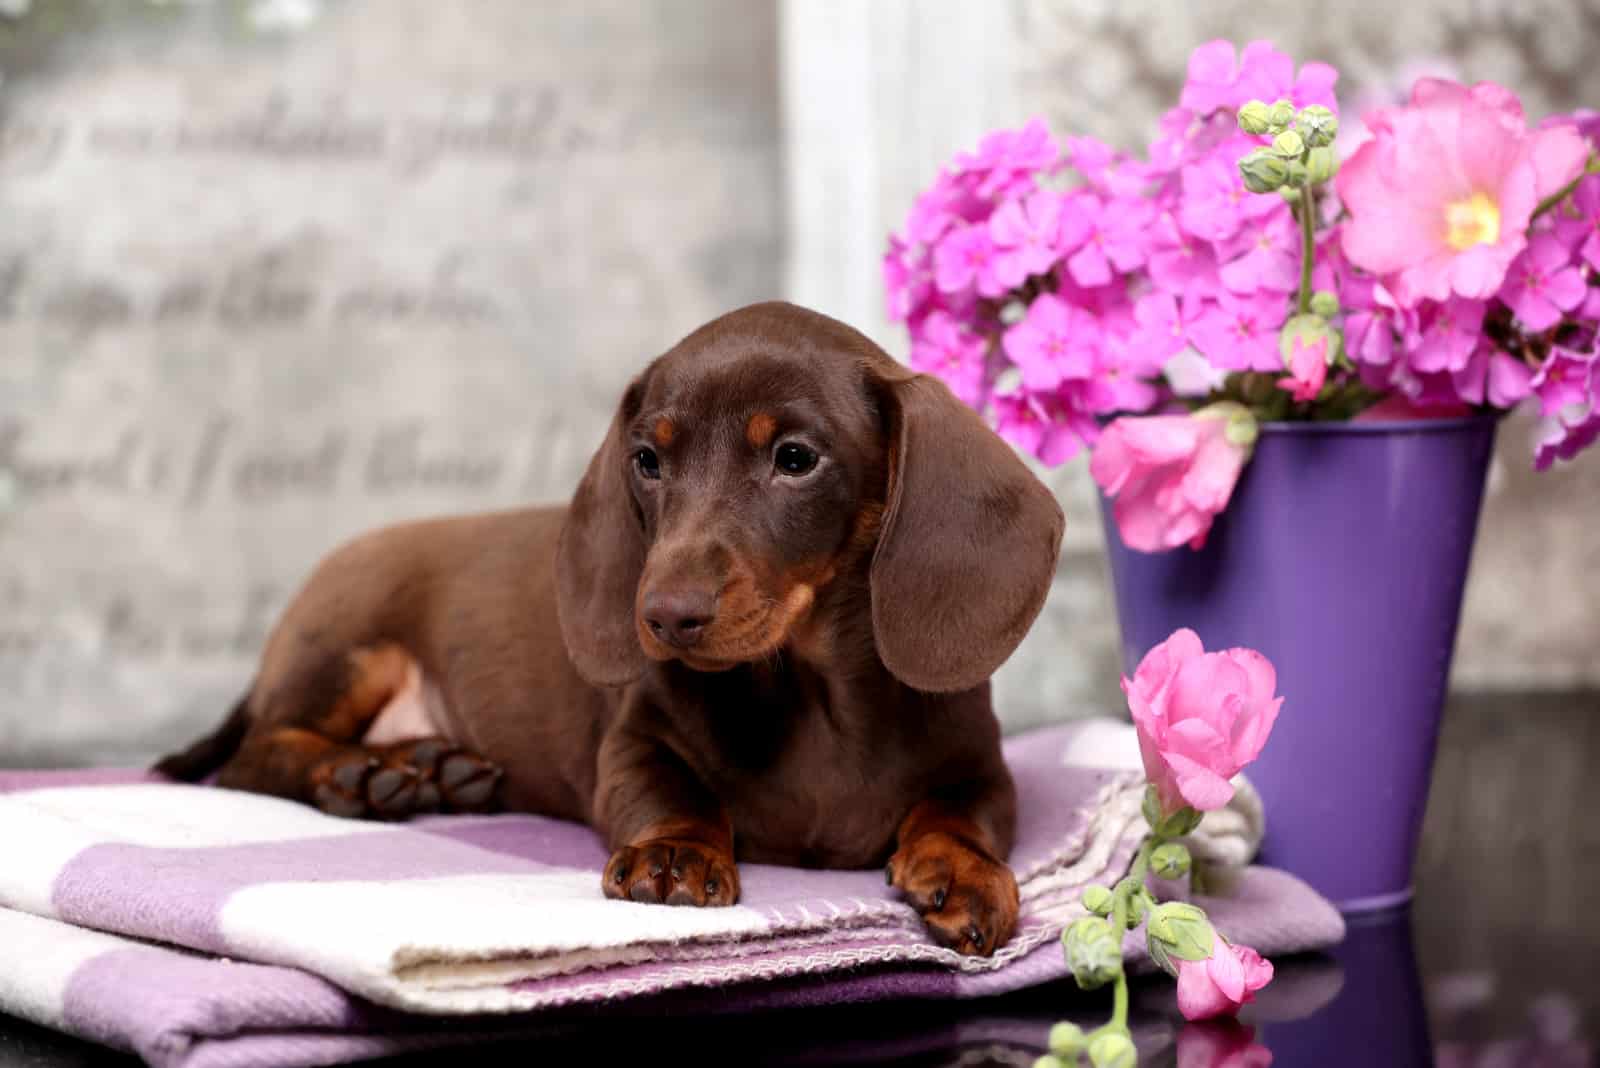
[1441, 197]
[1223, 982]
[1169, 475]
[1200, 718]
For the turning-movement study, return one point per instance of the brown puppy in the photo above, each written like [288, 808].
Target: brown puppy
[764, 628]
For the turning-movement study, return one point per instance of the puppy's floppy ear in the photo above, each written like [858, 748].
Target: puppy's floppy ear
[968, 545]
[599, 558]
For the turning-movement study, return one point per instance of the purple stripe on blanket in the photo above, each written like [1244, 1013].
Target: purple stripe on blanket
[176, 895]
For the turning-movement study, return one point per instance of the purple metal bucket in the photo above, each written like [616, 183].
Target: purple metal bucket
[1342, 556]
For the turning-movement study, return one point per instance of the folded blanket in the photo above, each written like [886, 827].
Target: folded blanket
[344, 923]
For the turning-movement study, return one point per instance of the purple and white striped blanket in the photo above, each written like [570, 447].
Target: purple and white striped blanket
[199, 926]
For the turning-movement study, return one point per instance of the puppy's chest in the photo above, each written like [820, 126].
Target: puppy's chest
[808, 782]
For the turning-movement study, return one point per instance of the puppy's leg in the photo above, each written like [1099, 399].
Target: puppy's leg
[672, 841]
[949, 865]
[305, 745]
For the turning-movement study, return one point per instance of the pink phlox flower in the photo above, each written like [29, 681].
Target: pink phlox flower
[1026, 234]
[1215, 203]
[1263, 256]
[1563, 439]
[1054, 341]
[1218, 78]
[1240, 333]
[1578, 222]
[1181, 262]
[1114, 241]
[1163, 328]
[945, 347]
[965, 260]
[1007, 160]
[1108, 172]
[1542, 283]
[1042, 424]
[907, 281]
[1565, 381]
[1450, 336]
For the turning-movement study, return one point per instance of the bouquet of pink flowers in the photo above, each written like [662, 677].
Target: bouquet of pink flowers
[1237, 273]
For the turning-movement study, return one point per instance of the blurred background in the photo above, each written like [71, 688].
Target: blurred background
[276, 271]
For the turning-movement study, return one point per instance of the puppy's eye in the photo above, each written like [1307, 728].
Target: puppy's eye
[648, 464]
[794, 459]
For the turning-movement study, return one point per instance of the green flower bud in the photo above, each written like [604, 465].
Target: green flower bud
[1097, 899]
[1113, 1050]
[1317, 125]
[1325, 304]
[1288, 145]
[1170, 861]
[1263, 172]
[1321, 164]
[1280, 115]
[1050, 1060]
[1241, 431]
[1180, 930]
[1290, 194]
[1309, 329]
[1138, 909]
[1255, 118]
[1066, 1039]
[1094, 954]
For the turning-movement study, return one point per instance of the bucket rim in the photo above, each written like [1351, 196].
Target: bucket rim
[1476, 421]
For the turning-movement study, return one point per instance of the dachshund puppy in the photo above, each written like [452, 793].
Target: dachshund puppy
[763, 630]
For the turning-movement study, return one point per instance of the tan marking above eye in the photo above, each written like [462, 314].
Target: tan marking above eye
[759, 431]
[665, 432]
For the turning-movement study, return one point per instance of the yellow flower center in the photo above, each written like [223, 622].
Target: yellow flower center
[1473, 221]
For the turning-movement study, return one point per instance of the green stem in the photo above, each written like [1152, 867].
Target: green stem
[1549, 202]
[1308, 244]
[1131, 884]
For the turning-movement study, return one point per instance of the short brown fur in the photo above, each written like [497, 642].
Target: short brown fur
[719, 661]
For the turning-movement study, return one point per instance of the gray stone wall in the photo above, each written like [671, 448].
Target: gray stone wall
[273, 273]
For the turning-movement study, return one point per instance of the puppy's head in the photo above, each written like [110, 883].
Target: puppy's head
[764, 454]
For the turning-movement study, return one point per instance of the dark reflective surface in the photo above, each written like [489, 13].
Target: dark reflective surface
[1496, 965]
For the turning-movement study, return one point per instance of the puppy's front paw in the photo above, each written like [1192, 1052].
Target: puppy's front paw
[672, 871]
[967, 898]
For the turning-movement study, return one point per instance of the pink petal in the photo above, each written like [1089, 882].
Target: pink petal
[1088, 266]
[1558, 153]
[1566, 289]
[1258, 970]
[1198, 996]
[1381, 236]
[1510, 380]
[1154, 440]
[1226, 970]
[1478, 271]
[1201, 787]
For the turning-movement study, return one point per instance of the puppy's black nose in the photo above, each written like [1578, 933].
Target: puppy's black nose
[679, 618]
